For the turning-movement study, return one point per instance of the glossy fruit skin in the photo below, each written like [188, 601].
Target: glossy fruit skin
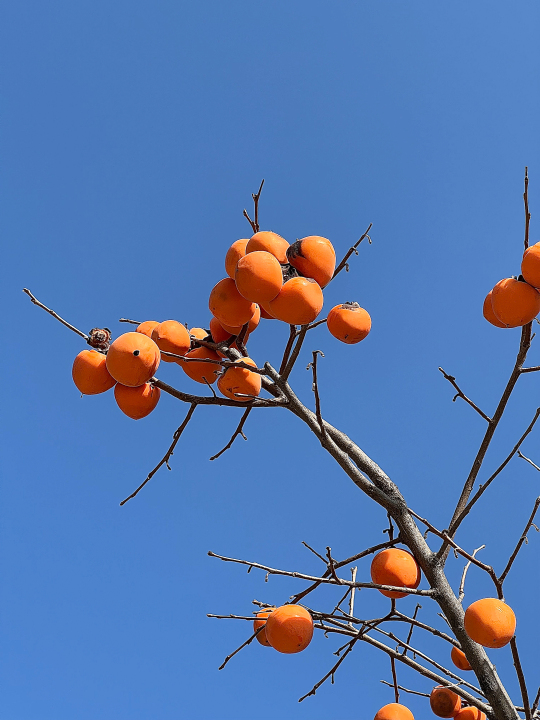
[171, 336]
[90, 373]
[459, 659]
[299, 301]
[199, 371]
[261, 637]
[530, 265]
[470, 713]
[488, 313]
[490, 622]
[269, 242]
[265, 314]
[234, 253]
[253, 323]
[258, 276]
[394, 711]
[289, 629]
[218, 332]
[147, 327]
[515, 303]
[198, 333]
[136, 402]
[395, 567]
[240, 380]
[444, 702]
[313, 257]
[349, 323]
[228, 306]
[133, 358]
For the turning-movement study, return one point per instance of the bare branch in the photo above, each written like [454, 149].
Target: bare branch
[409, 636]
[465, 570]
[131, 322]
[314, 552]
[400, 687]
[394, 677]
[522, 539]
[165, 459]
[331, 672]
[241, 647]
[452, 380]
[55, 315]
[535, 703]
[288, 347]
[521, 678]
[526, 203]
[238, 431]
[313, 366]
[204, 400]
[536, 368]
[521, 455]
[351, 601]
[343, 263]
[255, 223]
[295, 352]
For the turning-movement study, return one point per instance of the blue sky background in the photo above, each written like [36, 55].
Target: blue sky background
[132, 136]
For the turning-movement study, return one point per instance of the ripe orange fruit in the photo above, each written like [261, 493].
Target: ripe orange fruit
[265, 314]
[261, 637]
[299, 302]
[395, 567]
[459, 659]
[133, 358]
[251, 326]
[146, 327]
[136, 402]
[258, 276]
[218, 332]
[530, 265]
[488, 312]
[394, 711]
[238, 380]
[234, 253]
[171, 336]
[289, 629]
[269, 242]
[490, 622]
[199, 333]
[90, 373]
[515, 302]
[228, 305]
[470, 713]
[349, 323]
[199, 371]
[313, 257]
[444, 702]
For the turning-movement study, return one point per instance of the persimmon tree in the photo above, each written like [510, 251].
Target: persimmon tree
[288, 282]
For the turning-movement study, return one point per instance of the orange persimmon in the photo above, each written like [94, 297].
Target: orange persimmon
[218, 332]
[251, 325]
[459, 659]
[262, 616]
[444, 702]
[133, 358]
[265, 314]
[147, 327]
[470, 713]
[530, 265]
[198, 333]
[394, 711]
[258, 276]
[269, 242]
[349, 323]
[136, 402]
[201, 372]
[299, 302]
[171, 336]
[488, 313]
[395, 567]
[515, 302]
[90, 373]
[289, 629]
[490, 622]
[234, 253]
[313, 257]
[240, 381]
[228, 305]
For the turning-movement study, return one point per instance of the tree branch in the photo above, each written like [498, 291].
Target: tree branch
[331, 672]
[55, 315]
[343, 263]
[522, 539]
[238, 431]
[452, 380]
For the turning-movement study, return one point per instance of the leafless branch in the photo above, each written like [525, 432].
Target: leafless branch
[394, 677]
[521, 455]
[313, 366]
[353, 590]
[404, 689]
[131, 322]
[288, 348]
[535, 703]
[521, 678]
[256, 197]
[331, 672]
[522, 539]
[526, 203]
[204, 400]
[314, 552]
[241, 647]
[452, 380]
[409, 636]
[55, 315]
[353, 249]
[464, 575]
[239, 431]
[295, 352]
[536, 368]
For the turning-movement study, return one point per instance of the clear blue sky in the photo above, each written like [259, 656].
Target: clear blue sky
[132, 136]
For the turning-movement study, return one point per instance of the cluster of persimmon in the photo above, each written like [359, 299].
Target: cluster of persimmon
[442, 700]
[267, 278]
[514, 302]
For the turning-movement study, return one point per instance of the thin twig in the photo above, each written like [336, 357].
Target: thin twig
[255, 223]
[521, 455]
[242, 646]
[409, 636]
[314, 552]
[288, 347]
[55, 315]
[295, 352]
[331, 672]
[131, 322]
[521, 678]
[332, 565]
[394, 677]
[536, 702]
[522, 539]
[165, 459]
[526, 203]
[313, 366]
[535, 368]
[400, 687]
[351, 601]
[238, 431]
[464, 575]
[452, 380]
[343, 263]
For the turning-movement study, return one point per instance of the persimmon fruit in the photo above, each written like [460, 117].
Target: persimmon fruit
[147, 327]
[262, 616]
[258, 276]
[397, 567]
[299, 301]
[171, 336]
[252, 324]
[202, 372]
[136, 402]
[289, 629]
[515, 302]
[237, 381]
[530, 265]
[198, 333]
[313, 257]
[349, 323]
[228, 306]
[90, 373]
[269, 242]
[470, 713]
[488, 312]
[133, 358]
[218, 332]
[444, 702]
[234, 253]
[490, 622]
[394, 711]
[459, 659]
